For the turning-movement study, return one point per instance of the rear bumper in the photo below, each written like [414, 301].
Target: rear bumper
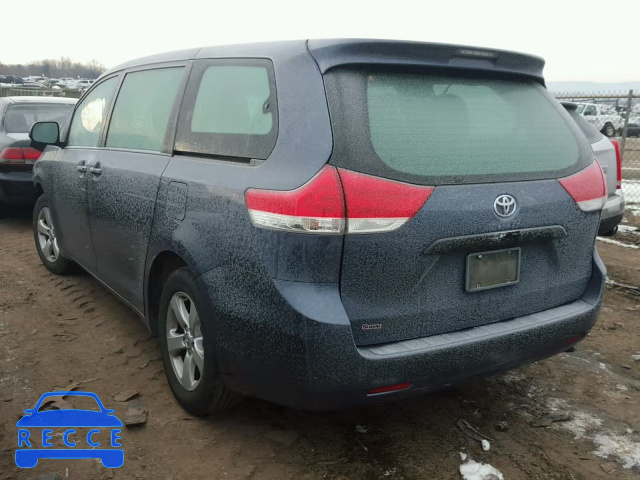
[17, 188]
[291, 343]
[612, 212]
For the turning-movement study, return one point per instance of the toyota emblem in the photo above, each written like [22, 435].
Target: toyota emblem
[504, 205]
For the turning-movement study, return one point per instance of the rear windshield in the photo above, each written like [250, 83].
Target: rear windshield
[589, 130]
[19, 118]
[434, 129]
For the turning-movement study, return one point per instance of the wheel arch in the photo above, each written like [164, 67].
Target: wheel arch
[162, 265]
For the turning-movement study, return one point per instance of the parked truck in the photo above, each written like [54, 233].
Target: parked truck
[604, 118]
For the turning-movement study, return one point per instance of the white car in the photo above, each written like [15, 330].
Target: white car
[604, 118]
[85, 83]
[70, 83]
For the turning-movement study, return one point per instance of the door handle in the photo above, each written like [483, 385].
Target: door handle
[82, 168]
[95, 170]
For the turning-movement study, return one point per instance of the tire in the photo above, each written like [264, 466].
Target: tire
[611, 232]
[51, 257]
[609, 130]
[200, 390]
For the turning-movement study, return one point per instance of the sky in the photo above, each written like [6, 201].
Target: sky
[579, 39]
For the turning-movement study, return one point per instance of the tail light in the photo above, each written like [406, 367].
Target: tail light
[619, 164]
[587, 188]
[19, 155]
[315, 207]
[337, 201]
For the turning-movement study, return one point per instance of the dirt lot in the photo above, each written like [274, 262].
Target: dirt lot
[56, 332]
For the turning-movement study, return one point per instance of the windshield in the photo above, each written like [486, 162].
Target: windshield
[19, 118]
[433, 129]
[580, 108]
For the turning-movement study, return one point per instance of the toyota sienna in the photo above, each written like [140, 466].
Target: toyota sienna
[329, 223]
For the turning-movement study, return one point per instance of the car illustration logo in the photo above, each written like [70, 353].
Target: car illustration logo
[69, 419]
[504, 205]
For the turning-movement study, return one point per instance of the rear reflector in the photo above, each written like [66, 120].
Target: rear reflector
[390, 388]
[337, 201]
[19, 155]
[587, 188]
[574, 339]
[618, 163]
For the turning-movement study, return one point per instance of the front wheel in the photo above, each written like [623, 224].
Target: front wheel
[46, 241]
[188, 348]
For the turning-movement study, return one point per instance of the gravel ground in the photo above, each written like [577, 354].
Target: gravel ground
[59, 332]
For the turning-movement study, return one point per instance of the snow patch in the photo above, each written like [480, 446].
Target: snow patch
[624, 448]
[604, 367]
[362, 429]
[628, 229]
[514, 377]
[479, 471]
[621, 446]
[620, 244]
[486, 446]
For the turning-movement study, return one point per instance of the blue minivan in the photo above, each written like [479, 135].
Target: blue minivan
[328, 223]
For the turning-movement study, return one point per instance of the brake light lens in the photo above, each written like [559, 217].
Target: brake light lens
[315, 207]
[337, 201]
[587, 188]
[19, 155]
[619, 164]
[31, 154]
[379, 205]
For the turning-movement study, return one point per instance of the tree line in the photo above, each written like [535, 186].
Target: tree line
[54, 68]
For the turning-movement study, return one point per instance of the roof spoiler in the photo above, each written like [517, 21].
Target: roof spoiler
[333, 53]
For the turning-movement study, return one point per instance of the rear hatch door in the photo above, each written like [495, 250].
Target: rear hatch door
[494, 148]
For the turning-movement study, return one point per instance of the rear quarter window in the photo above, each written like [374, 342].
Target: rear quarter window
[436, 129]
[229, 110]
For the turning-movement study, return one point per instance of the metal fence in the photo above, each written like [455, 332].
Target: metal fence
[38, 92]
[617, 115]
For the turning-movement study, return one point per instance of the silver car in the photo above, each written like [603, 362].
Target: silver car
[607, 152]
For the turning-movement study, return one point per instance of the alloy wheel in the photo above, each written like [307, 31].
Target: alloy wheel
[46, 235]
[184, 341]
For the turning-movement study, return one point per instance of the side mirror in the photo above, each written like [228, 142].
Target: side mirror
[43, 134]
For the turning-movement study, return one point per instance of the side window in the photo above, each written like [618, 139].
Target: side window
[229, 110]
[88, 118]
[141, 113]
[590, 110]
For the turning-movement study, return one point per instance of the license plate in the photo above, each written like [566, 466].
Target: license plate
[498, 268]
